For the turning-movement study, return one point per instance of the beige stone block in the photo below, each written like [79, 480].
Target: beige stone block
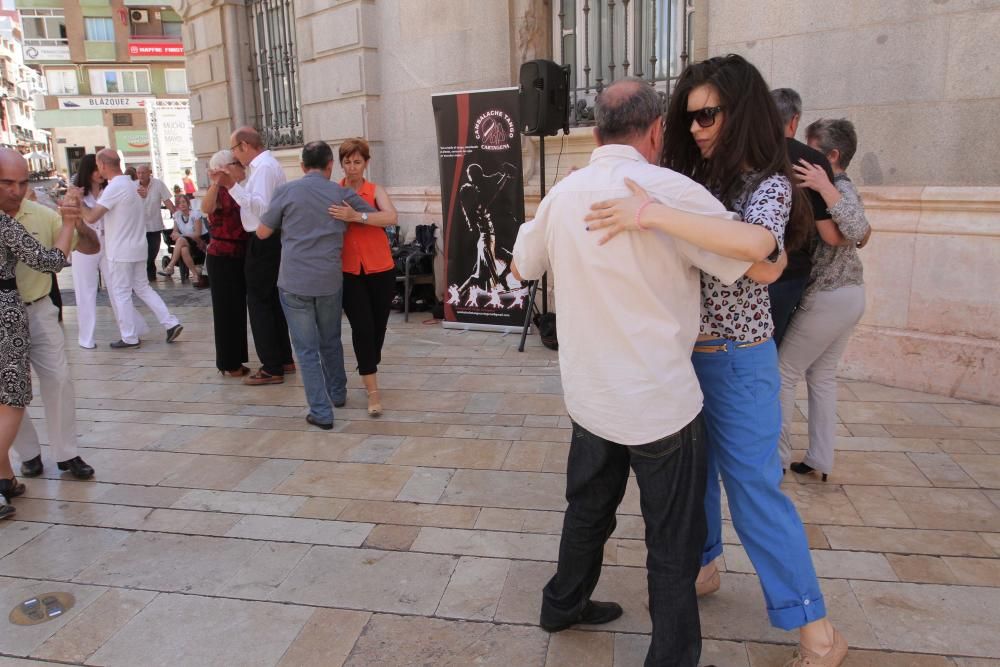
[61, 552]
[337, 28]
[961, 211]
[206, 138]
[770, 655]
[212, 104]
[585, 649]
[390, 581]
[512, 490]
[15, 534]
[931, 618]
[205, 631]
[528, 546]
[889, 267]
[475, 588]
[877, 506]
[949, 509]
[971, 71]
[391, 538]
[159, 561]
[307, 531]
[851, 565]
[397, 640]
[975, 571]
[954, 302]
[202, 68]
[921, 569]
[981, 416]
[962, 367]
[331, 78]
[326, 639]
[823, 504]
[80, 638]
[347, 480]
[451, 453]
[206, 29]
[409, 514]
[907, 541]
[941, 470]
[903, 74]
[261, 574]
[732, 20]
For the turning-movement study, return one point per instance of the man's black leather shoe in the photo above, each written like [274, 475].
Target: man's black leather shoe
[594, 613]
[77, 467]
[32, 467]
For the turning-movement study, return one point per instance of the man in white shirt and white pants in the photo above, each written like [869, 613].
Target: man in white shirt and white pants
[629, 314]
[267, 319]
[125, 246]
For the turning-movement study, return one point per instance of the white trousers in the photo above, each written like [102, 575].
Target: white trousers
[124, 279]
[812, 347]
[85, 281]
[51, 368]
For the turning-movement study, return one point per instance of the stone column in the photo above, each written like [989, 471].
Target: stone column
[217, 46]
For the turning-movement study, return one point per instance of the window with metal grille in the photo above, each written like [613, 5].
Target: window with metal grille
[276, 86]
[605, 40]
[122, 119]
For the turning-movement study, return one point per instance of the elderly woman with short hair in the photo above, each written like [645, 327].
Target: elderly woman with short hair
[832, 304]
[224, 262]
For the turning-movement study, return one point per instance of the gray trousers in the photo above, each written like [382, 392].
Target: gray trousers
[812, 346]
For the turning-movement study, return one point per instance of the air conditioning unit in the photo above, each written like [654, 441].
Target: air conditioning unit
[139, 15]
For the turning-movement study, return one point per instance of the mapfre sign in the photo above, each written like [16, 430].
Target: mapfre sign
[104, 102]
[155, 49]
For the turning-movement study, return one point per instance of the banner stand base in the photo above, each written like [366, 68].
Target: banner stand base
[472, 326]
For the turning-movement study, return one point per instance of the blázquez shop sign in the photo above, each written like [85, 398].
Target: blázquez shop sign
[104, 102]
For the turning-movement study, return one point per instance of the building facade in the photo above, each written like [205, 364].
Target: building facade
[22, 87]
[917, 78]
[115, 78]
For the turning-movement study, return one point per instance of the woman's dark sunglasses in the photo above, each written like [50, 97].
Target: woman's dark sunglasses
[704, 117]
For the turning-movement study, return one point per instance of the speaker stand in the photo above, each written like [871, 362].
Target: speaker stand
[533, 289]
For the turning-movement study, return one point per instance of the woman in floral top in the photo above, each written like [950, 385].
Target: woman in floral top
[723, 130]
[832, 304]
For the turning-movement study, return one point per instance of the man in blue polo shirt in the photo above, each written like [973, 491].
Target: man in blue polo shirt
[310, 281]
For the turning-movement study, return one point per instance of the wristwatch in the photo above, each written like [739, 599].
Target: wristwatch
[364, 218]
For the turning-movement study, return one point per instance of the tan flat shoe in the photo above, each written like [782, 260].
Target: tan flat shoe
[803, 657]
[374, 405]
[709, 586]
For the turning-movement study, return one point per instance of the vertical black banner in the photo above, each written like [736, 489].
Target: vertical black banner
[482, 200]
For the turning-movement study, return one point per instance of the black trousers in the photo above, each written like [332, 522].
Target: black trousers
[367, 302]
[671, 474]
[229, 310]
[267, 319]
[785, 296]
[153, 249]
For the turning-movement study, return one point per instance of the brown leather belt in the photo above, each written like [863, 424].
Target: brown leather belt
[720, 345]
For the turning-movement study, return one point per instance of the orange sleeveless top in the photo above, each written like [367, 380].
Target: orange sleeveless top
[366, 247]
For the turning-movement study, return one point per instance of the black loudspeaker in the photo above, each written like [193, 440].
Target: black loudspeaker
[544, 98]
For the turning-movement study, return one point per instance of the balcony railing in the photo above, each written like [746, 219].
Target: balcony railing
[155, 38]
[605, 40]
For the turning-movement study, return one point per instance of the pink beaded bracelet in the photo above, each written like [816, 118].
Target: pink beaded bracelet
[638, 214]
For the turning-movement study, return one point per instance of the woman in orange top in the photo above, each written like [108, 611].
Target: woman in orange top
[369, 272]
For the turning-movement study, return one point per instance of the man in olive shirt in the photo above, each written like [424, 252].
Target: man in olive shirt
[48, 349]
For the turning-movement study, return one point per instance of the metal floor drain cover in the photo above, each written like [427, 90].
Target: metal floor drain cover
[43, 608]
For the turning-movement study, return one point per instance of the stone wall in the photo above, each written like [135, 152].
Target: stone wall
[918, 78]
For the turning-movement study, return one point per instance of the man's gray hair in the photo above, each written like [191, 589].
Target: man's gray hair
[625, 109]
[789, 103]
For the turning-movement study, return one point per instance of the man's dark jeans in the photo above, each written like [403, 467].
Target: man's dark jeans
[152, 250]
[671, 474]
[785, 296]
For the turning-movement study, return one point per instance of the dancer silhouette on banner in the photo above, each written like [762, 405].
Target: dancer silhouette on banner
[481, 203]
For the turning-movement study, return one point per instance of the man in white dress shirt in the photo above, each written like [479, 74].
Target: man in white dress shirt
[154, 193]
[629, 313]
[267, 320]
[120, 206]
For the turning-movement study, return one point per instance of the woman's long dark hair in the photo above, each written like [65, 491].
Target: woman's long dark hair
[752, 137]
[88, 165]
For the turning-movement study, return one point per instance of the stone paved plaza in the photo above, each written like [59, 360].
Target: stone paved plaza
[223, 530]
